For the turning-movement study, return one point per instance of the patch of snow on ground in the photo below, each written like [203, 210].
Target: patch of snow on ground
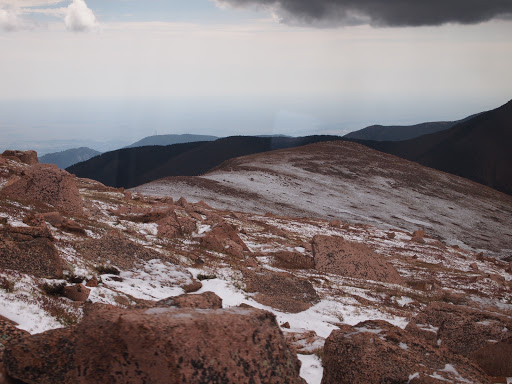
[155, 281]
[30, 317]
[311, 369]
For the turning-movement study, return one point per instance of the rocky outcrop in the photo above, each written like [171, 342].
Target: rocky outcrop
[470, 332]
[378, 352]
[282, 291]
[45, 183]
[158, 345]
[224, 238]
[30, 250]
[27, 157]
[333, 254]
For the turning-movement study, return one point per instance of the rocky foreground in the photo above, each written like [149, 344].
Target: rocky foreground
[101, 285]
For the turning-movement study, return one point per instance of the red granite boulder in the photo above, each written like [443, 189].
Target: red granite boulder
[47, 184]
[333, 254]
[378, 352]
[158, 345]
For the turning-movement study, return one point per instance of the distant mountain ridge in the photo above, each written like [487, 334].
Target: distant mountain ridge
[402, 132]
[69, 157]
[129, 167]
[171, 139]
[478, 149]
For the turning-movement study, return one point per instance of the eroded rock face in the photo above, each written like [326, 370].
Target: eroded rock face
[378, 352]
[282, 291]
[47, 184]
[30, 250]
[158, 345]
[334, 254]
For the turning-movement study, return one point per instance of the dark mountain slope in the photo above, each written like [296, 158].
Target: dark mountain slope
[130, 167]
[479, 149]
[402, 132]
[69, 157]
[171, 139]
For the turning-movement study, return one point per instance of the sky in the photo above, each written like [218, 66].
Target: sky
[109, 72]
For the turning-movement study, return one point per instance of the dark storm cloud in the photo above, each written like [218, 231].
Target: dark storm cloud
[381, 12]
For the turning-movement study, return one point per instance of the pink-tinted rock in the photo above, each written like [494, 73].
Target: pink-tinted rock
[335, 223]
[378, 352]
[495, 358]
[193, 287]
[30, 250]
[54, 218]
[282, 291]
[333, 254]
[224, 238]
[169, 226]
[117, 249]
[205, 300]
[27, 157]
[76, 292]
[461, 329]
[159, 345]
[47, 184]
[293, 260]
[92, 282]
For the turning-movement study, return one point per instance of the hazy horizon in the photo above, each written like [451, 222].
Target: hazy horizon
[122, 70]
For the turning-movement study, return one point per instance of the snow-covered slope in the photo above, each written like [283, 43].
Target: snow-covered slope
[350, 182]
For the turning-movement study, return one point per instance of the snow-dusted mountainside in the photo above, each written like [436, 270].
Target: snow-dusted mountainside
[352, 183]
[132, 268]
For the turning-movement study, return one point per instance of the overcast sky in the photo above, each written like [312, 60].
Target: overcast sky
[124, 69]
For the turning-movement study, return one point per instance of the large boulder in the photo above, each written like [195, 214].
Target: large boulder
[336, 255]
[224, 238]
[495, 358]
[158, 345]
[471, 332]
[27, 157]
[47, 184]
[8, 334]
[282, 291]
[378, 352]
[30, 250]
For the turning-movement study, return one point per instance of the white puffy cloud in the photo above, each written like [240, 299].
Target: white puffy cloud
[16, 14]
[80, 18]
